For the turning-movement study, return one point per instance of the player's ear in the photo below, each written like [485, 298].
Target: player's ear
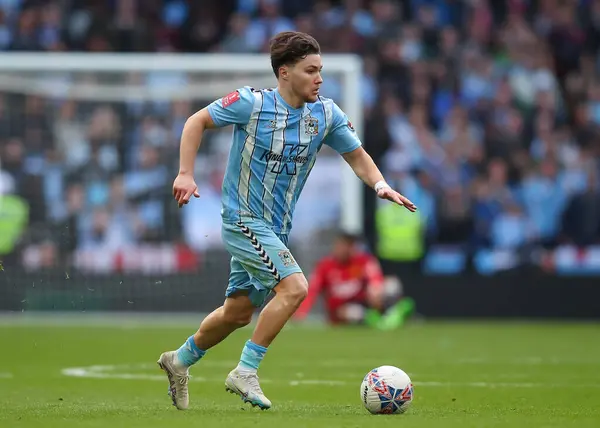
[284, 72]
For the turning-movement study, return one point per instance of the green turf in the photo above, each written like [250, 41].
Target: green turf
[465, 375]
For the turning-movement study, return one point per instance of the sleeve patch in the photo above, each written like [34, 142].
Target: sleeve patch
[350, 126]
[231, 98]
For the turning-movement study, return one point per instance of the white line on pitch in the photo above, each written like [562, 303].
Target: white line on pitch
[107, 372]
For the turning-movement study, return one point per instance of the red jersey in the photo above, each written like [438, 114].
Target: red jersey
[342, 283]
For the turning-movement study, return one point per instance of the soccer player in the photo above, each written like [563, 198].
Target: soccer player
[354, 288]
[277, 134]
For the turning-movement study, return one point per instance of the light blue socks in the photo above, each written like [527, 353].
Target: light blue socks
[189, 353]
[251, 357]
[252, 354]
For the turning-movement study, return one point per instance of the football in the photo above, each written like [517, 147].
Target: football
[386, 390]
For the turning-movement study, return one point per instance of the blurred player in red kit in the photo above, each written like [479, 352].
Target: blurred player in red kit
[355, 289]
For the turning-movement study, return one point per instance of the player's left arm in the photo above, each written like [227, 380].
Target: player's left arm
[342, 137]
[367, 171]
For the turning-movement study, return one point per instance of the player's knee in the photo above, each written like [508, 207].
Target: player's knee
[238, 310]
[300, 293]
[238, 319]
[294, 288]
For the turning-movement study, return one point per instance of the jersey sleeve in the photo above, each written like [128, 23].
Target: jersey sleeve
[233, 109]
[342, 135]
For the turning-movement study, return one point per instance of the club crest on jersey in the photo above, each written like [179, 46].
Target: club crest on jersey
[286, 258]
[311, 125]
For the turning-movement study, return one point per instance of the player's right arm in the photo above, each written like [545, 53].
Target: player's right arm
[233, 109]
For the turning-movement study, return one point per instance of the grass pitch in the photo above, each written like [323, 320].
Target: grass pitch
[465, 375]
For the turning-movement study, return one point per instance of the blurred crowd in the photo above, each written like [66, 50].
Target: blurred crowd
[485, 113]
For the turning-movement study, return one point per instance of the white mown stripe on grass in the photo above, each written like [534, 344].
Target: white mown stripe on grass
[110, 372]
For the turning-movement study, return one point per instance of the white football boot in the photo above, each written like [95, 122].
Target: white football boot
[246, 386]
[178, 379]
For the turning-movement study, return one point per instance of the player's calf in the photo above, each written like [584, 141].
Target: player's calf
[235, 313]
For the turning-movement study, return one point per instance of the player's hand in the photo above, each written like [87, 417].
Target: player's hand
[393, 196]
[184, 187]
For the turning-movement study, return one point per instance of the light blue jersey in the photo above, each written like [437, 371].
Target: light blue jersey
[274, 149]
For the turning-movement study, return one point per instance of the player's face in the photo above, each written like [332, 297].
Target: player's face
[305, 78]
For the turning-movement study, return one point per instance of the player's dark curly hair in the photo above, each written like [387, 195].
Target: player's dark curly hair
[289, 47]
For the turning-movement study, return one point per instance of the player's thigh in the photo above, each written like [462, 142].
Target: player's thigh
[242, 287]
[239, 280]
[260, 252]
[239, 306]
